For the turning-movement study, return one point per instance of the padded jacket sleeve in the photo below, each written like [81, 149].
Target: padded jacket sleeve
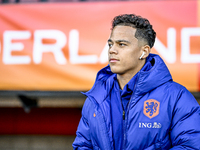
[83, 140]
[185, 127]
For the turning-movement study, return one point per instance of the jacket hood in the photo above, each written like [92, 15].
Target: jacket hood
[146, 80]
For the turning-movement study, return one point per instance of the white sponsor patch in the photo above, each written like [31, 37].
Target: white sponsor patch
[149, 125]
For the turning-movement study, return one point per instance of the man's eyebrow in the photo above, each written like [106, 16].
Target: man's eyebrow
[125, 41]
[109, 40]
[119, 41]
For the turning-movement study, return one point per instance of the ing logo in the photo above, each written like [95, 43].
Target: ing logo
[151, 108]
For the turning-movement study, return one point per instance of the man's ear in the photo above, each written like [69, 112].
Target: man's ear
[145, 51]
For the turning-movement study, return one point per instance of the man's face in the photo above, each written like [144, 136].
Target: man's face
[124, 51]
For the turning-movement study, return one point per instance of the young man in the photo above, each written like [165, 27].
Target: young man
[134, 103]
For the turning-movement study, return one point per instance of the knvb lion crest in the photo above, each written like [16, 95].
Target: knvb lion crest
[151, 108]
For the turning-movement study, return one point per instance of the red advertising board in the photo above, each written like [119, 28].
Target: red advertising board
[61, 46]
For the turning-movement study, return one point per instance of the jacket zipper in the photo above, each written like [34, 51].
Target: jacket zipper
[124, 115]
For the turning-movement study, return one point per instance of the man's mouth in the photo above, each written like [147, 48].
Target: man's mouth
[113, 60]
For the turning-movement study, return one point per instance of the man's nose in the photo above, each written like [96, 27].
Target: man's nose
[113, 50]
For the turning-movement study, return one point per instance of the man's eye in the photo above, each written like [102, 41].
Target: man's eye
[122, 44]
[110, 45]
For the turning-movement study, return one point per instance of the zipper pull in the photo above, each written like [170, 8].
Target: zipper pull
[123, 115]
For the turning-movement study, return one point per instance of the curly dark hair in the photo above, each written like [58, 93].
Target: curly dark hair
[143, 27]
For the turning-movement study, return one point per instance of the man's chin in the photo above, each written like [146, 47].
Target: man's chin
[113, 70]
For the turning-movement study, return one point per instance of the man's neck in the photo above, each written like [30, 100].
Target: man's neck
[123, 79]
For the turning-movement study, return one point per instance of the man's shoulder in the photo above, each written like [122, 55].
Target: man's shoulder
[181, 93]
[175, 86]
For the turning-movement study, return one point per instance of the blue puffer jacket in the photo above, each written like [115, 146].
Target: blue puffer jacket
[161, 114]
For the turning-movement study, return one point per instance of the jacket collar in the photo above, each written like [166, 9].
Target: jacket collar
[146, 80]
